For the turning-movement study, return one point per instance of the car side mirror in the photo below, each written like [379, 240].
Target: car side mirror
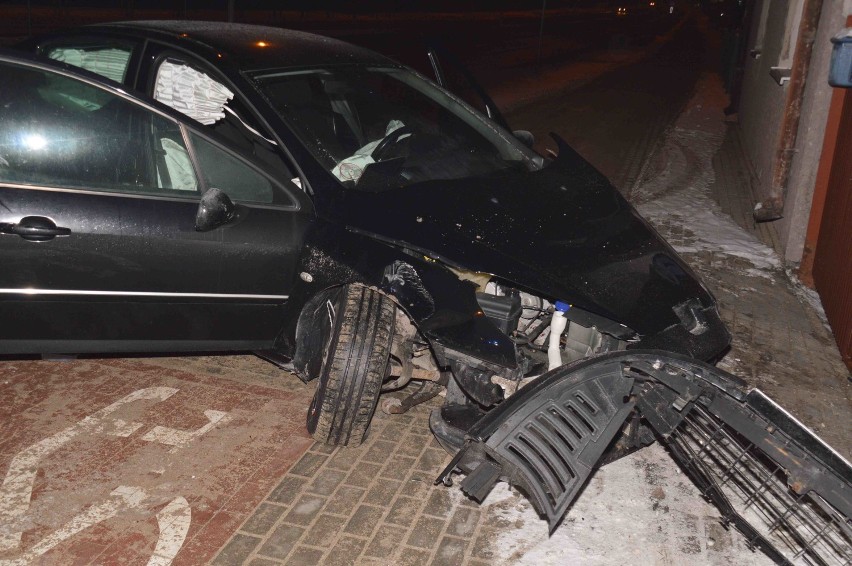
[525, 137]
[215, 209]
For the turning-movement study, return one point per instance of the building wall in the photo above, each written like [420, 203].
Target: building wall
[815, 104]
[774, 33]
[763, 100]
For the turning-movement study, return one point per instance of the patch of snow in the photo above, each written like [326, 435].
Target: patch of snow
[685, 184]
[808, 296]
[638, 510]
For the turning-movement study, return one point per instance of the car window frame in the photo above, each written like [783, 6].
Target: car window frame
[486, 121]
[165, 51]
[184, 123]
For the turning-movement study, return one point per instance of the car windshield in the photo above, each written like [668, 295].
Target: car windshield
[377, 128]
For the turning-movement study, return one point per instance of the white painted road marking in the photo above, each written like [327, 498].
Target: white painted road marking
[174, 520]
[123, 498]
[18, 486]
[179, 438]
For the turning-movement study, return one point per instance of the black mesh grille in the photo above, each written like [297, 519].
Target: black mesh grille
[790, 527]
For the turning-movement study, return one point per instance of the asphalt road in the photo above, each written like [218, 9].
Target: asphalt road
[613, 120]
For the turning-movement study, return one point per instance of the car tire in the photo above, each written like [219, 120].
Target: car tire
[355, 365]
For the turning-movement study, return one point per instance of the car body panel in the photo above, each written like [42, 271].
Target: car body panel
[134, 272]
[563, 232]
[567, 233]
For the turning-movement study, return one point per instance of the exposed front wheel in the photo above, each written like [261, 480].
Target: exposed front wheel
[355, 365]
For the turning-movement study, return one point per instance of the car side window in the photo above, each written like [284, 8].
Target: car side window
[224, 171]
[109, 59]
[202, 94]
[59, 131]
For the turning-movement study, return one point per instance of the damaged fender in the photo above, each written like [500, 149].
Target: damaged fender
[443, 307]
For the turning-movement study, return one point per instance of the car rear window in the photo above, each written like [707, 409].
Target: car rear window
[110, 60]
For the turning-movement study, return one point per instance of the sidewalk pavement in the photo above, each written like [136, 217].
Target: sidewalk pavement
[376, 504]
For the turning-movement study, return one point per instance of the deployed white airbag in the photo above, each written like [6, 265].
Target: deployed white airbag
[109, 63]
[351, 168]
[191, 92]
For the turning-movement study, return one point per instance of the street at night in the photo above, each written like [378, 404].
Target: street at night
[202, 455]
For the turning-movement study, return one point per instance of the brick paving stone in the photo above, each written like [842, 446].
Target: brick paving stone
[413, 557]
[322, 448]
[450, 552]
[379, 452]
[326, 482]
[325, 531]
[364, 520]
[464, 521]
[345, 552]
[305, 509]
[438, 503]
[433, 459]
[343, 459]
[419, 484]
[404, 511]
[263, 519]
[304, 556]
[411, 445]
[363, 474]
[237, 550]
[393, 431]
[383, 492]
[344, 500]
[484, 544]
[282, 540]
[425, 533]
[385, 542]
[287, 490]
[397, 467]
[308, 464]
[263, 562]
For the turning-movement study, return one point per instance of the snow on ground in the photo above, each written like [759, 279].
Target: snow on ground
[638, 510]
[680, 194]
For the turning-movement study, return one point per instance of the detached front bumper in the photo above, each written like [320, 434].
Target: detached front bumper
[771, 477]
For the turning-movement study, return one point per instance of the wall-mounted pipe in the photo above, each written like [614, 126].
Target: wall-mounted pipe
[772, 207]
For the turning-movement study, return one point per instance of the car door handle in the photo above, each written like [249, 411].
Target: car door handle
[34, 229]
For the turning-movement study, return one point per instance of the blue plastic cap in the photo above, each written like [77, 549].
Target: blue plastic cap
[562, 306]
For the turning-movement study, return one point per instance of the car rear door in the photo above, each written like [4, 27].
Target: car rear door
[98, 198]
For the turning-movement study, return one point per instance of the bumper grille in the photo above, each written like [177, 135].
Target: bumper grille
[751, 491]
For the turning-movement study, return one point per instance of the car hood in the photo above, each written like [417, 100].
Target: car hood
[563, 232]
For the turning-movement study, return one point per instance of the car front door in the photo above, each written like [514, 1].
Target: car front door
[99, 194]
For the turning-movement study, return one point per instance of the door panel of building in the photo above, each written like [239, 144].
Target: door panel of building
[832, 269]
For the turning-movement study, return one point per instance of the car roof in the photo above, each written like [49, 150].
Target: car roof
[251, 47]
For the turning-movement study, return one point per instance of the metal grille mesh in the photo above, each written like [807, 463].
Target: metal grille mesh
[801, 529]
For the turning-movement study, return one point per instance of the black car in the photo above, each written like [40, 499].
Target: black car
[191, 186]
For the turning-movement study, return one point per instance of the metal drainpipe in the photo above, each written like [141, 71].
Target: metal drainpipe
[772, 208]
